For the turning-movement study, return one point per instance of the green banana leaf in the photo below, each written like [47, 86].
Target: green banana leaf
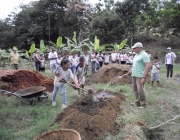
[116, 47]
[32, 48]
[59, 42]
[42, 46]
[27, 54]
[123, 43]
[74, 38]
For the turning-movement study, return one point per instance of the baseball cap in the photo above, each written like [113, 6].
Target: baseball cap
[169, 48]
[137, 45]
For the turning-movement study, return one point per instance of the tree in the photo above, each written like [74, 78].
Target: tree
[108, 26]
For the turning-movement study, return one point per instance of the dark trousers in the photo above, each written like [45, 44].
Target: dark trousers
[100, 63]
[169, 70]
[123, 62]
[106, 63]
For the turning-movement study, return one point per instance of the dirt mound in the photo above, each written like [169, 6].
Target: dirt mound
[93, 116]
[108, 73]
[13, 80]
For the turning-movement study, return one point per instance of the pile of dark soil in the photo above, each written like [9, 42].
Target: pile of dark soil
[13, 80]
[108, 73]
[93, 116]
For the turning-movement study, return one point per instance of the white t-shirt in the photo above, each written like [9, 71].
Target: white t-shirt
[59, 60]
[86, 59]
[73, 61]
[129, 59]
[113, 56]
[100, 57]
[106, 58]
[123, 57]
[64, 74]
[154, 68]
[93, 59]
[169, 58]
[53, 55]
[118, 56]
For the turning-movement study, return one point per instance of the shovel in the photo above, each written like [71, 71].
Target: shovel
[73, 85]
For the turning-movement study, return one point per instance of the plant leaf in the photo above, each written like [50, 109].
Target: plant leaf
[32, 48]
[123, 43]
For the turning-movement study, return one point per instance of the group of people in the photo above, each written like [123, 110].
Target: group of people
[74, 66]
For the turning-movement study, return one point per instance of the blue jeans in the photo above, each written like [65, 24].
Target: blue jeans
[53, 67]
[37, 65]
[73, 69]
[94, 64]
[63, 91]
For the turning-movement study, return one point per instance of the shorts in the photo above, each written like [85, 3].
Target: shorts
[14, 66]
[155, 77]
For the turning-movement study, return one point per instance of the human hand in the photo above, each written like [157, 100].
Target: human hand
[143, 81]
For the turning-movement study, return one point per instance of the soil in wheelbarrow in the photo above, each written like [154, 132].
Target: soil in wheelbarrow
[13, 80]
[93, 116]
[108, 73]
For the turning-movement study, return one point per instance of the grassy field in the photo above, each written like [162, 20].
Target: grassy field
[24, 122]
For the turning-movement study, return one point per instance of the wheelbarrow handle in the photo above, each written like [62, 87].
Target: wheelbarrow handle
[5, 92]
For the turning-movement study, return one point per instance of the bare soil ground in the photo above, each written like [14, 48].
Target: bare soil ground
[107, 73]
[13, 80]
[93, 116]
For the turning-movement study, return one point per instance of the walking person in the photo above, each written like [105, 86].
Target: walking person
[139, 73]
[53, 59]
[14, 59]
[155, 76]
[170, 58]
[62, 72]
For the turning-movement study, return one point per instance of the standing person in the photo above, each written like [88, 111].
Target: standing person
[62, 72]
[155, 71]
[86, 57]
[129, 59]
[94, 61]
[73, 63]
[100, 58]
[14, 59]
[106, 58]
[42, 64]
[170, 58]
[81, 72]
[37, 60]
[53, 59]
[139, 72]
[113, 56]
[59, 59]
[123, 57]
[118, 57]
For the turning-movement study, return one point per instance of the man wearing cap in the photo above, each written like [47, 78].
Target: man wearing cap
[170, 58]
[139, 72]
[53, 59]
[15, 60]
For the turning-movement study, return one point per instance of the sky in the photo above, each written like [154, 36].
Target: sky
[8, 6]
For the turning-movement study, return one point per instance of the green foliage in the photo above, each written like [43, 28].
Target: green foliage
[108, 26]
[59, 43]
[32, 48]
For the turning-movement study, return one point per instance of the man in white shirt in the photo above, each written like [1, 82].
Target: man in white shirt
[100, 58]
[169, 61]
[53, 59]
[113, 57]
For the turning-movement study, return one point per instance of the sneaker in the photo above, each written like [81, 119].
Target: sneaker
[142, 106]
[63, 106]
[53, 103]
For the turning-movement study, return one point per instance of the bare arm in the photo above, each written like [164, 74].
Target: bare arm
[147, 68]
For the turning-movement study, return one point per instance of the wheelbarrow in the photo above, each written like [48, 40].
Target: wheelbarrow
[29, 95]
